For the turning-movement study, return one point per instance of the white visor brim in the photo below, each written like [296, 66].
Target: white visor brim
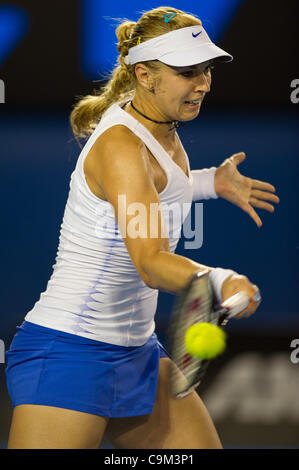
[195, 56]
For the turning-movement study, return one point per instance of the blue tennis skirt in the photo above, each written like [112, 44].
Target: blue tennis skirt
[53, 368]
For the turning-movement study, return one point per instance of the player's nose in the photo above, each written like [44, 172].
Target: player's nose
[203, 82]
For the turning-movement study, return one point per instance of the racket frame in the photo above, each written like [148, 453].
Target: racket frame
[196, 367]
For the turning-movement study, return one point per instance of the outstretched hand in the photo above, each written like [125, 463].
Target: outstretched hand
[242, 191]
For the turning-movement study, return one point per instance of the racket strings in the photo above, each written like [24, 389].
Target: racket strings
[194, 307]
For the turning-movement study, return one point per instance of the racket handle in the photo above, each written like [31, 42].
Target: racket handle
[235, 304]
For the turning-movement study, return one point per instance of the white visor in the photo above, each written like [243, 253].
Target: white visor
[181, 47]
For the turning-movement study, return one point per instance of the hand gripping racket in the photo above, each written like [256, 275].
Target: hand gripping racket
[195, 305]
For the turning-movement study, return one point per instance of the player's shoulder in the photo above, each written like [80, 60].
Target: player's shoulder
[119, 146]
[118, 135]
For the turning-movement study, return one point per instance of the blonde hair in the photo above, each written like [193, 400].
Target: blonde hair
[123, 82]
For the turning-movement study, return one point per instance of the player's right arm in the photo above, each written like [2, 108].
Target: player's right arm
[122, 168]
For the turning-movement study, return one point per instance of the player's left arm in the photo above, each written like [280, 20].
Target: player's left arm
[227, 182]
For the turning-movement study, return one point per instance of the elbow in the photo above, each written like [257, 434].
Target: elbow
[149, 282]
[147, 278]
[148, 269]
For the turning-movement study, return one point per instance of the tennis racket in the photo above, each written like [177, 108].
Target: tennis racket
[195, 305]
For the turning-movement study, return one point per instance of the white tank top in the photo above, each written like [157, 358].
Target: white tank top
[95, 290]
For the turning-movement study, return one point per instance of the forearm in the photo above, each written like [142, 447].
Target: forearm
[170, 272]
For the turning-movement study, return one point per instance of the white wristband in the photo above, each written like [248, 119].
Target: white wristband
[217, 278]
[204, 184]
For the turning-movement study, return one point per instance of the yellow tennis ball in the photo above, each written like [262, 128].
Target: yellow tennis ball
[205, 341]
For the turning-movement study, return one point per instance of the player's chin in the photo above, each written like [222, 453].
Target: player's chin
[191, 111]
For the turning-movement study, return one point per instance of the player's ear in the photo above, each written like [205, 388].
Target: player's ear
[143, 76]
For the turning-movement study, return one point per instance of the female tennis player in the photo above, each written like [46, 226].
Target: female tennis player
[86, 362]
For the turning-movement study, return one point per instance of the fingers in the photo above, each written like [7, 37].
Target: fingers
[258, 197]
[254, 301]
[261, 204]
[237, 283]
[256, 184]
[251, 212]
[265, 195]
[237, 158]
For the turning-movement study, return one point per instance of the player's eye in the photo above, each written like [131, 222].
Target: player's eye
[209, 69]
[187, 74]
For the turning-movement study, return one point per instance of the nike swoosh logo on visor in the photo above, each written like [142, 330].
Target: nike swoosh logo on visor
[194, 35]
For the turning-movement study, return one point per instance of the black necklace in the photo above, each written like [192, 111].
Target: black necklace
[175, 123]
